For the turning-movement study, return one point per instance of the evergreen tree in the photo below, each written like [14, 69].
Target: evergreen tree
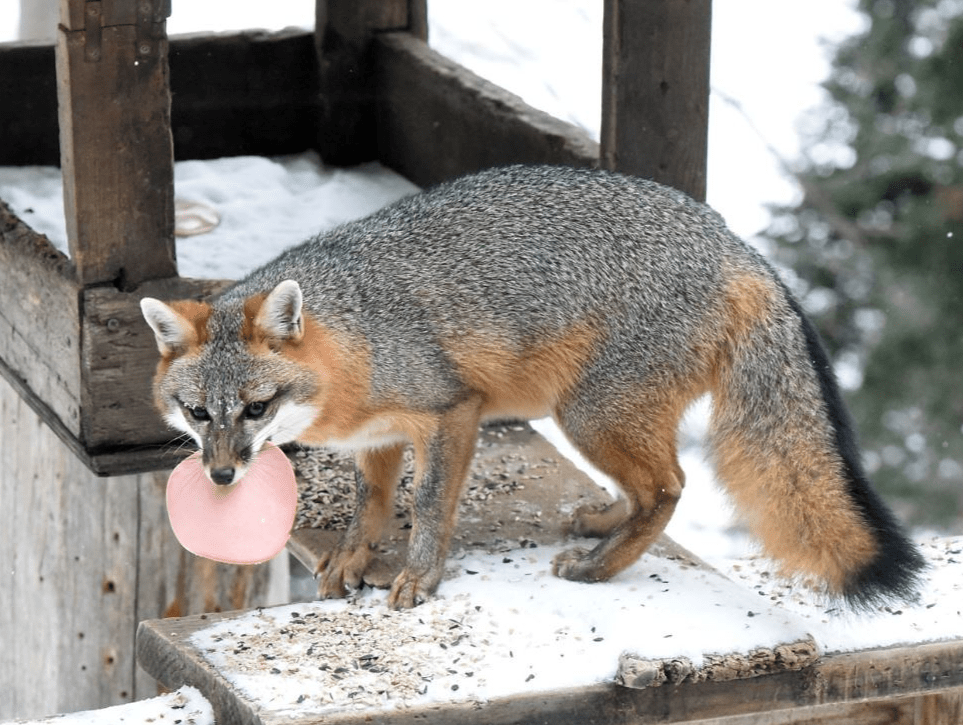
[877, 244]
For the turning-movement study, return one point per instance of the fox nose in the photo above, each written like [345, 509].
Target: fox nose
[222, 476]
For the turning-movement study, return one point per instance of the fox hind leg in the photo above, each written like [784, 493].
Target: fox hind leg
[638, 450]
[377, 473]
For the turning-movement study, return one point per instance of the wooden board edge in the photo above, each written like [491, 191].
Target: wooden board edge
[639, 672]
[436, 119]
[39, 322]
[119, 357]
[868, 676]
[173, 668]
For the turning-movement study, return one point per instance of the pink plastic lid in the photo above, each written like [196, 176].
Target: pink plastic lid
[245, 523]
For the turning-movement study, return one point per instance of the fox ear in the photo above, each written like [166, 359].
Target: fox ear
[280, 315]
[176, 330]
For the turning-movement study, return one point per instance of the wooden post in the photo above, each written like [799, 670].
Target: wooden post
[655, 90]
[85, 559]
[115, 139]
[347, 129]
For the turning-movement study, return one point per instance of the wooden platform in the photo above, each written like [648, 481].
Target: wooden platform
[355, 661]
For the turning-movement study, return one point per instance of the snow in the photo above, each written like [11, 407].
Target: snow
[502, 625]
[266, 204]
[187, 706]
[936, 615]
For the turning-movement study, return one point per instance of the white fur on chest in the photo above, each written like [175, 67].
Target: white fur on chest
[379, 432]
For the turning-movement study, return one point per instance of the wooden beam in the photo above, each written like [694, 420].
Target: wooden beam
[437, 119]
[119, 358]
[270, 107]
[344, 30]
[28, 114]
[655, 90]
[115, 140]
[39, 321]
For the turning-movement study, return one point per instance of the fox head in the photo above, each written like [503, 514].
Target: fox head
[224, 378]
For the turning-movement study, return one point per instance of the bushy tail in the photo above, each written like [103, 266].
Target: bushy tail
[785, 448]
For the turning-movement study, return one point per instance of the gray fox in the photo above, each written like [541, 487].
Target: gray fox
[608, 302]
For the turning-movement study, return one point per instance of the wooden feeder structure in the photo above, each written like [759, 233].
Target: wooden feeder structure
[364, 86]
[83, 454]
[84, 457]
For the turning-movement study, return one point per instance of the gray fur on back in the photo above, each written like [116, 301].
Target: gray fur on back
[521, 252]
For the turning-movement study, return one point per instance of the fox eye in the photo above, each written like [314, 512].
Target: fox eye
[255, 409]
[198, 413]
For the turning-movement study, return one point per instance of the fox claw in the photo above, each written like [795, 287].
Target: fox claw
[409, 590]
[340, 572]
[575, 565]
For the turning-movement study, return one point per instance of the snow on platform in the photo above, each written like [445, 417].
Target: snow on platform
[504, 633]
[186, 706]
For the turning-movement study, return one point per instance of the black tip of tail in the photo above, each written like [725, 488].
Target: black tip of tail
[894, 574]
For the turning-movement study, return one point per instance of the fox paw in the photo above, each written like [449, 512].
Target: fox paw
[410, 589]
[598, 521]
[340, 572]
[575, 565]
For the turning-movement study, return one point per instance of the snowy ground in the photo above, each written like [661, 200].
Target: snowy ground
[186, 706]
[502, 625]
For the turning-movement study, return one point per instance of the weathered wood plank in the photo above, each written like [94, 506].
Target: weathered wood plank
[155, 656]
[270, 108]
[273, 108]
[39, 320]
[942, 708]
[655, 90]
[437, 120]
[119, 359]
[875, 712]
[115, 141]
[68, 607]
[808, 696]
[344, 30]
[28, 114]
[85, 559]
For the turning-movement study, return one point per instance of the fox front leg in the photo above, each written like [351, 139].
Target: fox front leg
[442, 461]
[376, 476]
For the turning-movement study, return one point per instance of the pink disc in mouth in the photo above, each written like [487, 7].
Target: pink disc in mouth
[247, 522]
